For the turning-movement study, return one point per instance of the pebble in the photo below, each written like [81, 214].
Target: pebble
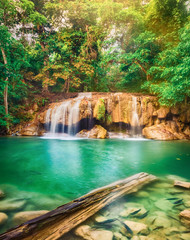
[22, 217]
[11, 205]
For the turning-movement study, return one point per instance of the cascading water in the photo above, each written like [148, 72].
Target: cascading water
[65, 117]
[135, 125]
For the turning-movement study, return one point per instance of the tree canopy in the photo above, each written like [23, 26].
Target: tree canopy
[91, 45]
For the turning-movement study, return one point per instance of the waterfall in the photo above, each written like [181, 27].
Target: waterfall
[65, 117]
[135, 125]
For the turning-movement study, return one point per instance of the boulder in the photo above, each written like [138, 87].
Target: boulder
[159, 132]
[88, 233]
[83, 133]
[30, 130]
[98, 132]
[11, 205]
[130, 212]
[182, 184]
[163, 112]
[185, 217]
[3, 218]
[137, 227]
[162, 222]
[119, 236]
[22, 217]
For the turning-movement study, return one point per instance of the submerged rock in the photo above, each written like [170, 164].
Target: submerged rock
[2, 194]
[137, 227]
[22, 217]
[11, 205]
[182, 184]
[88, 233]
[119, 236]
[3, 218]
[185, 217]
[162, 222]
[133, 212]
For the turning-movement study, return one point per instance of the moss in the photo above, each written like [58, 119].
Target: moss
[101, 110]
[108, 119]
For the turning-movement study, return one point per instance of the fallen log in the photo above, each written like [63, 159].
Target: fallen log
[56, 223]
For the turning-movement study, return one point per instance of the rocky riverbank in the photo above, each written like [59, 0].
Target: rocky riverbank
[160, 211]
[134, 115]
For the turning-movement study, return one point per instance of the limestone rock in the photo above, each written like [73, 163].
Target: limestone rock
[30, 130]
[163, 112]
[22, 217]
[3, 218]
[185, 217]
[163, 204]
[140, 238]
[162, 222]
[131, 210]
[119, 236]
[83, 133]
[158, 132]
[87, 233]
[182, 184]
[100, 219]
[11, 205]
[98, 132]
[137, 227]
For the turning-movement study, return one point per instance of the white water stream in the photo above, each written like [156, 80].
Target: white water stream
[65, 117]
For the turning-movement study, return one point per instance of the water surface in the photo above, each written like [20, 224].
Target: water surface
[72, 168]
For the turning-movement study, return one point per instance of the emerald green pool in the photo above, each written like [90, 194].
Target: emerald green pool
[74, 167]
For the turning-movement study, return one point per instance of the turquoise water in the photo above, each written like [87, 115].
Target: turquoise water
[72, 168]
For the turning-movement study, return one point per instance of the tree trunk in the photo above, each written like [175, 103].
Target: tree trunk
[55, 224]
[6, 88]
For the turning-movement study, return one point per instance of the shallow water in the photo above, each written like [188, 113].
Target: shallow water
[51, 172]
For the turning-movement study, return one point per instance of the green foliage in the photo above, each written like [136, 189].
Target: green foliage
[92, 45]
[101, 110]
[171, 75]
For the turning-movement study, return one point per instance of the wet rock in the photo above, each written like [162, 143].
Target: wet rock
[119, 236]
[171, 230]
[162, 222]
[11, 205]
[142, 194]
[100, 219]
[30, 130]
[130, 212]
[140, 238]
[137, 227]
[185, 217]
[2, 194]
[87, 233]
[83, 133]
[3, 218]
[185, 236]
[182, 184]
[158, 132]
[22, 217]
[164, 204]
[98, 132]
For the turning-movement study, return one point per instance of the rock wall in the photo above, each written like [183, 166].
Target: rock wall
[114, 111]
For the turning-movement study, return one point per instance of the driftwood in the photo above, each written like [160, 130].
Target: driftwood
[56, 223]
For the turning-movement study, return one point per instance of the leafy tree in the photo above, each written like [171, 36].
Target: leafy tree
[171, 74]
[12, 60]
